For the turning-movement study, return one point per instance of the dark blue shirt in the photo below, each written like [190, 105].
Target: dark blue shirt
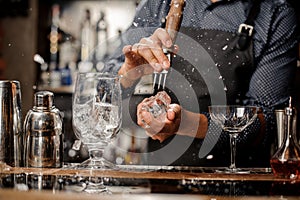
[275, 43]
[275, 37]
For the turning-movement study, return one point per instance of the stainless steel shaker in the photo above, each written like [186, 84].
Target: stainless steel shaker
[11, 136]
[280, 120]
[280, 126]
[43, 133]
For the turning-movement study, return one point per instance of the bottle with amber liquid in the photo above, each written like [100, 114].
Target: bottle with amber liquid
[285, 162]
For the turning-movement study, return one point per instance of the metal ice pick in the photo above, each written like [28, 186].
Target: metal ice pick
[173, 22]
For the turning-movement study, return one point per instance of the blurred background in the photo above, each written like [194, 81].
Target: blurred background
[44, 43]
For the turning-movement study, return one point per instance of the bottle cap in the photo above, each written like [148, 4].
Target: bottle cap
[43, 100]
[289, 110]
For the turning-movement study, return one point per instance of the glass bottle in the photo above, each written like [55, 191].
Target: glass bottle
[87, 37]
[87, 43]
[285, 162]
[101, 38]
[54, 76]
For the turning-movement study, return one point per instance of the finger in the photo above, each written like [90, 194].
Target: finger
[171, 115]
[144, 118]
[135, 47]
[163, 36]
[154, 136]
[156, 49]
[173, 111]
[151, 135]
[159, 136]
[132, 59]
[149, 54]
[126, 49]
[175, 49]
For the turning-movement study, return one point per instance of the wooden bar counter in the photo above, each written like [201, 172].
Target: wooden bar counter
[146, 182]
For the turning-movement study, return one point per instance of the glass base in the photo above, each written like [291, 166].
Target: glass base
[233, 171]
[92, 185]
[96, 188]
[99, 164]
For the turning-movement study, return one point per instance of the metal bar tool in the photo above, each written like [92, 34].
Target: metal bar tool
[173, 22]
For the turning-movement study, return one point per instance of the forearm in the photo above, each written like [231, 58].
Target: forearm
[193, 124]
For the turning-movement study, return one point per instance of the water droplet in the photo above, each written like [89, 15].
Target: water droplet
[237, 56]
[220, 77]
[190, 86]
[229, 63]
[225, 47]
[227, 39]
[193, 69]
[9, 44]
[225, 88]
[135, 24]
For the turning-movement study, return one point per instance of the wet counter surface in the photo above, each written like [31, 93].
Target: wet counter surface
[141, 182]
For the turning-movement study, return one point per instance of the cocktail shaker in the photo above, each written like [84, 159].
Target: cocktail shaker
[43, 133]
[280, 120]
[11, 136]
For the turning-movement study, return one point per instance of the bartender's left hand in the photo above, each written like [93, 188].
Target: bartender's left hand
[159, 129]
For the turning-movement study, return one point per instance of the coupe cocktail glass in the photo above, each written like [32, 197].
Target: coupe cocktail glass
[233, 119]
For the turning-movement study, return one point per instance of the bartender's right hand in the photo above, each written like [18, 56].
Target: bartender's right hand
[147, 56]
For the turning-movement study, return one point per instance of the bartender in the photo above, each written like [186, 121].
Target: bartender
[214, 47]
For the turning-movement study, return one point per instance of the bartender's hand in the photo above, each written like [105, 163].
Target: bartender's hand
[146, 56]
[159, 129]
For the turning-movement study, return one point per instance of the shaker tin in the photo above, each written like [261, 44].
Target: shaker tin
[43, 133]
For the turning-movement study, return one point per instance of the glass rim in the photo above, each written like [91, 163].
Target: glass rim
[99, 74]
[245, 106]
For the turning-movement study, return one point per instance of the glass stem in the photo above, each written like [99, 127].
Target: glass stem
[96, 154]
[233, 137]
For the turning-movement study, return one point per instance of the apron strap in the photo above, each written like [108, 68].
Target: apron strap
[246, 29]
[253, 12]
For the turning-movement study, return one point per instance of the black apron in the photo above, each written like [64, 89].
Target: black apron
[212, 67]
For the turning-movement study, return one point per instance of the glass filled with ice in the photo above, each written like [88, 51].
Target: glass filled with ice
[97, 116]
